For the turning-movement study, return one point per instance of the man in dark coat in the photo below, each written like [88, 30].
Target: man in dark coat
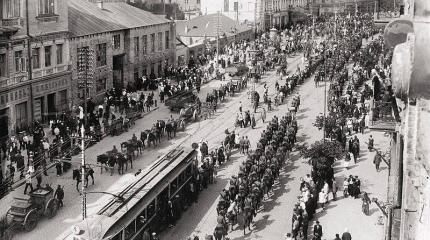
[318, 231]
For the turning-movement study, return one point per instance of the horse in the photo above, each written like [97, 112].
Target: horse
[121, 160]
[160, 125]
[248, 216]
[169, 129]
[152, 137]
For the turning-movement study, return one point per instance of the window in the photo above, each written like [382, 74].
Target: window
[144, 44]
[116, 41]
[3, 65]
[167, 39]
[153, 42]
[46, 7]
[21, 115]
[48, 56]
[101, 54]
[59, 53]
[160, 41]
[101, 85]
[35, 58]
[19, 61]
[136, 47]
[12, 8]
[150, 210]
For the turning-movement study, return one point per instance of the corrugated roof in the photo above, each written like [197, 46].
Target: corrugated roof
[132, 17]
[206, 25]
[87, 18]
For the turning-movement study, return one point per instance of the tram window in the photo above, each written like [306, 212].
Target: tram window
[188, 171]
[174, 186]
[141, 220]
[130, 230]
[118, 236]
[181, 179]
[150, 211]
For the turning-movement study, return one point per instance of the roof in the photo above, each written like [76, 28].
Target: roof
[206, 25]
[87, 18]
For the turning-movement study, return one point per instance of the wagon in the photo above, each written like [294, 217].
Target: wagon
[178, 101]
[25, 212]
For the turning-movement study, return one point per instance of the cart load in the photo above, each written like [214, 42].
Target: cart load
[25, 212]
[178, 101]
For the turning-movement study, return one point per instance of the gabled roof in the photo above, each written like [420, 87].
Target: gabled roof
[206, 25]
[87, 18]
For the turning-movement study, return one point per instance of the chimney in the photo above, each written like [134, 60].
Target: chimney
[100, 4]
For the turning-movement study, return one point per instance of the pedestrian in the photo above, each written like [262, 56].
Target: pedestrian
[346, 235]
[247, 144]
[377, 160]
[28, 182]
[322, 198]
[89, 173]
[253, 121]
[334, 189]
[337, 237]
[370, 144]
[318, 232]
[288, 236]
[39, 178]
[263, 115]
[59, 194]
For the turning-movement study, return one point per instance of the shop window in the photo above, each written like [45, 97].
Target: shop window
[141, 220]
[21, 115]
[174, 186]
[101, 85]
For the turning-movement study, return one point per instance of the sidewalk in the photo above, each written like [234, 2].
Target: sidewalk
[346, 213]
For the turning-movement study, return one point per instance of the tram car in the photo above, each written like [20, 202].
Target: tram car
[141, 207]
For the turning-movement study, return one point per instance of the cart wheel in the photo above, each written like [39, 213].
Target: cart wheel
[51, 208]
[30, 221]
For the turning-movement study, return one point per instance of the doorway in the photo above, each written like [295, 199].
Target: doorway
[118, 71]
[4, 123]
[51, 106]
[39, 109]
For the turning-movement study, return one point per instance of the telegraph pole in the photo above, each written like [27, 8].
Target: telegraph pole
[85, 71]
[217, 39]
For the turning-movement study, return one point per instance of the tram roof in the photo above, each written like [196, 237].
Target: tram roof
[119, 211]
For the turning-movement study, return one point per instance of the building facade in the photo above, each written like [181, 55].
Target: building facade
[126, 42]
[34, 62]
[261, 14]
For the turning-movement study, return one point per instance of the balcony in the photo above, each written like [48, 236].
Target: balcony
[48, 71]
[16, 22]
[10, 81]
[383, 116]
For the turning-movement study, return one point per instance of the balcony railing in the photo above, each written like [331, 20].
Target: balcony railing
[10, 81]
[48, 71]
[382, 116]
[12, 22]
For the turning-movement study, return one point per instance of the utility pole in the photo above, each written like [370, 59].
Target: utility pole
[217, 39]
[85, 58]
[29, 62]
[255, 19]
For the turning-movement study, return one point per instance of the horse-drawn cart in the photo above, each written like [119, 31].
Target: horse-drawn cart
[177, 102]
[26, 212]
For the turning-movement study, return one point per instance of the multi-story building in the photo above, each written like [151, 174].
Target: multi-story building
[408, 207]
[191, 8]
[34, 62]
[126, 43]
[261, 14]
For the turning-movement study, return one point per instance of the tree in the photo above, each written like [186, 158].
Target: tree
[322, 155]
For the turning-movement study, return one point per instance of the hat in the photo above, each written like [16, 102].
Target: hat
[154, 234]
